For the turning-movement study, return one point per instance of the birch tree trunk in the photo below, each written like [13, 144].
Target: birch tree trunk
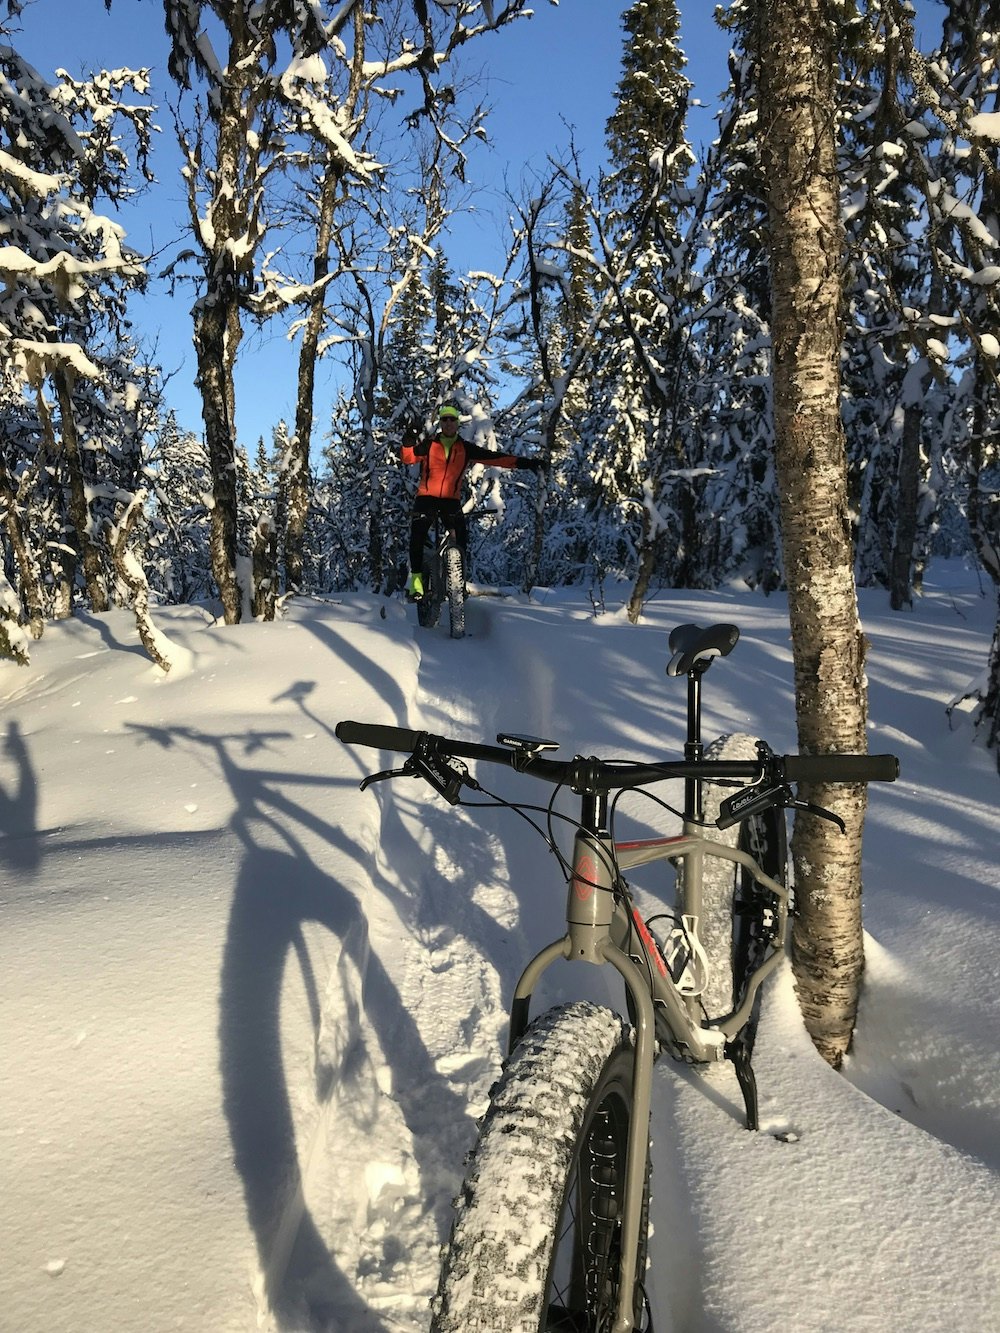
[131, 573]
[228, 233]
[650, 544]
[218, 328]
[797, 47]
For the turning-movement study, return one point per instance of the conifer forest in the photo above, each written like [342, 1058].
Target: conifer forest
[769, 358]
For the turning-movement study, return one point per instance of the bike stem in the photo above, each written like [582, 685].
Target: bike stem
[594, 812]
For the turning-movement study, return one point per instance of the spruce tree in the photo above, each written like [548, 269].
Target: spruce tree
[648, 204]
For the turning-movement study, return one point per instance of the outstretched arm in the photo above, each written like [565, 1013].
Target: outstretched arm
[489, 458]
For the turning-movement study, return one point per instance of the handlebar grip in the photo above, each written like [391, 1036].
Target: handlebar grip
[378, 737]
[841, 767]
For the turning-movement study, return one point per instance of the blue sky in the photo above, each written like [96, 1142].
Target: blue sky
[542, 76]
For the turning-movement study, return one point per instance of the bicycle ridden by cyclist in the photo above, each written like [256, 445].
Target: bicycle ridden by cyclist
[443, 458]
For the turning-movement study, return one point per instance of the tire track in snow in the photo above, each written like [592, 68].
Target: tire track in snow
[411, 1042]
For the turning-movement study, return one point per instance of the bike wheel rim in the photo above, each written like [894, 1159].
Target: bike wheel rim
[583, 1279]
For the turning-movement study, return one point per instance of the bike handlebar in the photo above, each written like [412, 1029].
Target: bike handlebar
[378, 737]
[599, 775]
[841, 767]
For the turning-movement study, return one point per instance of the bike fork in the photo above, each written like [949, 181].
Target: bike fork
[589, 916]
[637, 1152]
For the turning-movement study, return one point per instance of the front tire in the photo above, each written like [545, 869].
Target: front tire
[535, 1244]
[454, 574]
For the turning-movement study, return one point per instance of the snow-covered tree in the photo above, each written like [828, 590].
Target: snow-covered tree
[277, 76]
[69, 375]
[648, 202]
[957, 98]
[555, 313]
[731, 378]
[180, 503]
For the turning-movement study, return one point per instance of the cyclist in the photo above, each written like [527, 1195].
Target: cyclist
[443, 458]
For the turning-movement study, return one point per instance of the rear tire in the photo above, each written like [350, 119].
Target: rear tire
[738, 915]
[535, 1243]
[454, 574]
[429, 606]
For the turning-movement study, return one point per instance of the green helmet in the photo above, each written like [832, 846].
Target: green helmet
[449, 410]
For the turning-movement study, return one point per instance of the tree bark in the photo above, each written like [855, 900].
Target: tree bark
[215, 383]
[294, 474]
[79, 508]
[31, 590]
[649, 555]
[229, 234]
[798, 58]
[907, 493]
[133, 576]
[264, 557]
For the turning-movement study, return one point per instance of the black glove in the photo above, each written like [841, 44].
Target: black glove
[412, 440]
[530, 465]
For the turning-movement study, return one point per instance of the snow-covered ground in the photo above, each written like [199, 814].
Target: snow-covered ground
[249, 1014]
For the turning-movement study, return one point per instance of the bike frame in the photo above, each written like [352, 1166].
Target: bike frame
[602, 930]
[604, 927]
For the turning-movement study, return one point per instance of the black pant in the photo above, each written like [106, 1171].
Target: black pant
[425, 510]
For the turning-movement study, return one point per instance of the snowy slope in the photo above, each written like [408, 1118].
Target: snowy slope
[250, 1014]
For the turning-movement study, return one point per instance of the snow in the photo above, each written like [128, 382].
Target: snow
[950, 207]
[985, 124]
[251, 1014]
[39, 183]
[49, 354]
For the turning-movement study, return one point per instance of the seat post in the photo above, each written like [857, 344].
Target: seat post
[693, 748]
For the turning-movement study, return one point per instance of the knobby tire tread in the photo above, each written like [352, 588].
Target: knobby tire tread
[429, 606]
[455, 588]
[734, 939]
[500, 1271]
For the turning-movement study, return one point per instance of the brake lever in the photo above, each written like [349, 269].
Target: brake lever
[819, 811]
[409, 770]
[446, 776]
[751, 800]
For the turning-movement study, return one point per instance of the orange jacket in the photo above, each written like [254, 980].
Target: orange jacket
[441, 473]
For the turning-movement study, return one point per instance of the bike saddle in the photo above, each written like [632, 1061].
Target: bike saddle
[693, 647]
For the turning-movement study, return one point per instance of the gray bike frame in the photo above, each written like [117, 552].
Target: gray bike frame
[600, 930]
